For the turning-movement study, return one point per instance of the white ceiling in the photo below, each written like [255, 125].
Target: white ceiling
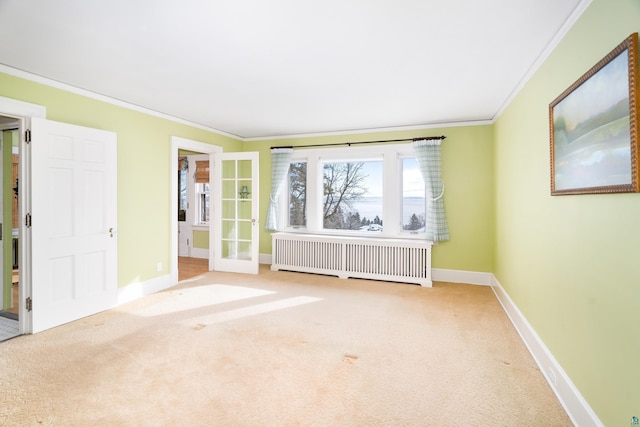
[261, 68]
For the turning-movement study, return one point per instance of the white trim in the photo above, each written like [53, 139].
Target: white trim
[178, 143]
[10, 126]
[23, 112]
[137, 290]
[576, 406]
[372, 130]
[20, 109]
[461, 276]
[120, 103]
[199, 252]
[264, 259]
[571, 20]
[113, 101]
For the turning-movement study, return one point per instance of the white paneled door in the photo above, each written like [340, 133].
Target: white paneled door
[73, 222]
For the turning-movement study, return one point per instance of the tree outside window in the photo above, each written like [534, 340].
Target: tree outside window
[298, 194]
[349, 188]
[203, 202]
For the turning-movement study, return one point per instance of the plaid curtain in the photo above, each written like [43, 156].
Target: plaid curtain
[280, 160]
[430, 164]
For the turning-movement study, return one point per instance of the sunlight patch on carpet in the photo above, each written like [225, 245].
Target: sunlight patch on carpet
[202, 296]
[239, 313]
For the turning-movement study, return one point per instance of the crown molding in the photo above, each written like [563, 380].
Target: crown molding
[120, 103]
[555, 41]
[371, 130]
[109, 100]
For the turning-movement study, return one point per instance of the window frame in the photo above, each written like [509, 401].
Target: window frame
[286, 193]
[392, 184]
[401, 201]
[200, 192]
[192, 216]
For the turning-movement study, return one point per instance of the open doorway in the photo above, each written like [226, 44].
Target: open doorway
[233, 229]
[194, 213]
[9, 232]
[182, 238]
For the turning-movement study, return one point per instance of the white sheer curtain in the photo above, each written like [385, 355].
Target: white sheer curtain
[280, 160]
[429, 161]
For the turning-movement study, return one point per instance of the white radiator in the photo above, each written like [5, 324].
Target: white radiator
[393, 260]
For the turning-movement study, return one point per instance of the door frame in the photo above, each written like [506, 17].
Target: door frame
[12, 125]
[22, 112]
[178, 143]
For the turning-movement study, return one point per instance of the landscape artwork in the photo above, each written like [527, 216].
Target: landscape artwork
[593, 128]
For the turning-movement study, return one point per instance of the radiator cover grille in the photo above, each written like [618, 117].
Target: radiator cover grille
[359, 257]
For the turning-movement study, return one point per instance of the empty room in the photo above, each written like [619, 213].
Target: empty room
[419, 213]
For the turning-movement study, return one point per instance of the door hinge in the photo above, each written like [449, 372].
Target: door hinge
[27, 136]
[27, 220]
[29, 304]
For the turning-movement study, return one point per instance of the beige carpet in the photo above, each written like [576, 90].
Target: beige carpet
[281, 349]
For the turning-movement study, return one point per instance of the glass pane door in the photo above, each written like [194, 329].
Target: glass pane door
[238, 249]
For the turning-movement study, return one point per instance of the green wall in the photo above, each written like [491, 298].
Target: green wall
[467, 159]
[200, 239]
[144, 143]
[570, 263]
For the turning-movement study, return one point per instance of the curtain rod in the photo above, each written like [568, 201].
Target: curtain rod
[363, 142]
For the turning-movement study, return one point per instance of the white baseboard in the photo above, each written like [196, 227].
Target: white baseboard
[264, 259]
[461, 276]
[141, 289]
[199, 253]
[576, 406]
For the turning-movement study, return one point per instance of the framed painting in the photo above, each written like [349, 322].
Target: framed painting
[594, 129]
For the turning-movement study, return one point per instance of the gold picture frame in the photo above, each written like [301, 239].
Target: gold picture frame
[594, 129]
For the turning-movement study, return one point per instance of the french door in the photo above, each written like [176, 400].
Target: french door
[237, 227]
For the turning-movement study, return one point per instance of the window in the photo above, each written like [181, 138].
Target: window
[352, 197]
[200, 182]
[297, 193]
[413, 197]
[355, 190]
[202, 203]
[182, 188]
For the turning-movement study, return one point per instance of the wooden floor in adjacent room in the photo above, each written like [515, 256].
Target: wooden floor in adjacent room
[191, 267]
[15, 294]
